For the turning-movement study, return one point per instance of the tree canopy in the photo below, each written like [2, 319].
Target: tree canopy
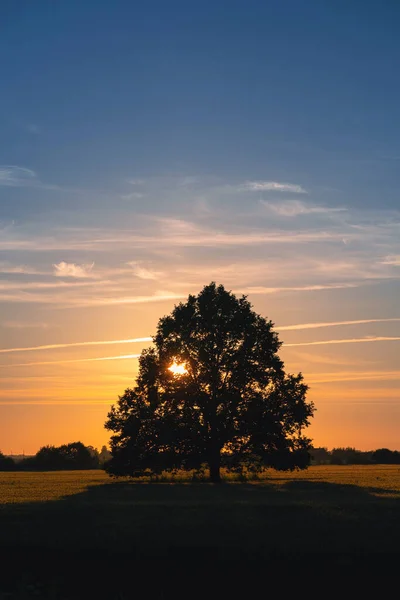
[6, 463]
[68, 456]
[229, 403]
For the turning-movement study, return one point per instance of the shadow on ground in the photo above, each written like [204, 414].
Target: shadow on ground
[116, 536]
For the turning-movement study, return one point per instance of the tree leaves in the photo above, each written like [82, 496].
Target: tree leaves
[234, 403]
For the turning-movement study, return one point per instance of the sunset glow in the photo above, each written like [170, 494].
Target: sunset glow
[178, 369]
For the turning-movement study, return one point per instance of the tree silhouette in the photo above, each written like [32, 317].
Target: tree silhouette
[233, 405]
[6, 463]
[68, 456]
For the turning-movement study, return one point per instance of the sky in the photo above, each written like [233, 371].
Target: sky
[148, 148]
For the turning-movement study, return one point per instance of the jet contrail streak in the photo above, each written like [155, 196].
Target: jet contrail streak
[75, 344]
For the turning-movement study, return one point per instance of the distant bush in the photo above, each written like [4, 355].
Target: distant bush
[6, 463]
[104, 456]
[75, 456]
[384, 456]
[351, 456]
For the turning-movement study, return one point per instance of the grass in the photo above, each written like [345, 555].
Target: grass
[323, 515]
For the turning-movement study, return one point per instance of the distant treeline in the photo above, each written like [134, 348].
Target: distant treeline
[351, 456]
[75, 456]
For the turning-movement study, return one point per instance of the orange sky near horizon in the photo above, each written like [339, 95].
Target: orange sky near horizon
[58, 395]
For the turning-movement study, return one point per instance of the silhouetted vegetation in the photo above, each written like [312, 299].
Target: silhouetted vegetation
[234, 406]
[351, 456]
[74, 456]
[6, 463]
[104, 456]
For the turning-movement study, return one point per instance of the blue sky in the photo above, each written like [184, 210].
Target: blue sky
[147, 148]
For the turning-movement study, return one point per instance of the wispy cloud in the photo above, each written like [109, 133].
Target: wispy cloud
[159, 296]
[150, 339]
[392, 260]
[171, 236]
[75, 344]
[333, 324]
[347, 341]
[14, 176]
[64, 269]
[6, 268]
[48, 285]
[142, 272]
[300, 288]
[68, 300]
[294, 208]
[24, 325]
[353, 376]
[71, 360]
[274, 186]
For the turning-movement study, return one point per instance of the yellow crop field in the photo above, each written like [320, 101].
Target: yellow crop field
[30, 487]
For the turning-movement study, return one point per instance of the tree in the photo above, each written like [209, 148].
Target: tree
[320, 456]
[68, 456]
[104, 456]
[384, 456]
[6, 463]
[228, 403]
[350, 456]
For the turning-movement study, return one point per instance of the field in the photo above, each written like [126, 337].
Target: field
[85, 520]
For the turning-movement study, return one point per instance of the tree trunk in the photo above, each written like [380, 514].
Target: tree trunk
[215, 465]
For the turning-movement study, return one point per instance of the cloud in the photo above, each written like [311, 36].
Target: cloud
[142, 272]
[178, 232]
[392, 260]
[273, 186]
[14, 176]
[64, 269]
[353, 376]
[300, 288]
[48, 285]
[150, 339]
[71, 360]
[161, 232]
[68, 301]
[6, 268]
[75, 344]
[333, 324]
[22, 325]
[294, 208]
[158, 296]
[347, 341]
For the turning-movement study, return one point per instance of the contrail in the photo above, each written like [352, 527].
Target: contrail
[334, 324]
[75, 344]
[352, 376]
[72, 360]
[350, 341]
[299, 326]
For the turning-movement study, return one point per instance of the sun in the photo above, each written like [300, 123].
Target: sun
[178, 369]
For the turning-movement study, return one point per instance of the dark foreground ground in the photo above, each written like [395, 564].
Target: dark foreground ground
[81, 535]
